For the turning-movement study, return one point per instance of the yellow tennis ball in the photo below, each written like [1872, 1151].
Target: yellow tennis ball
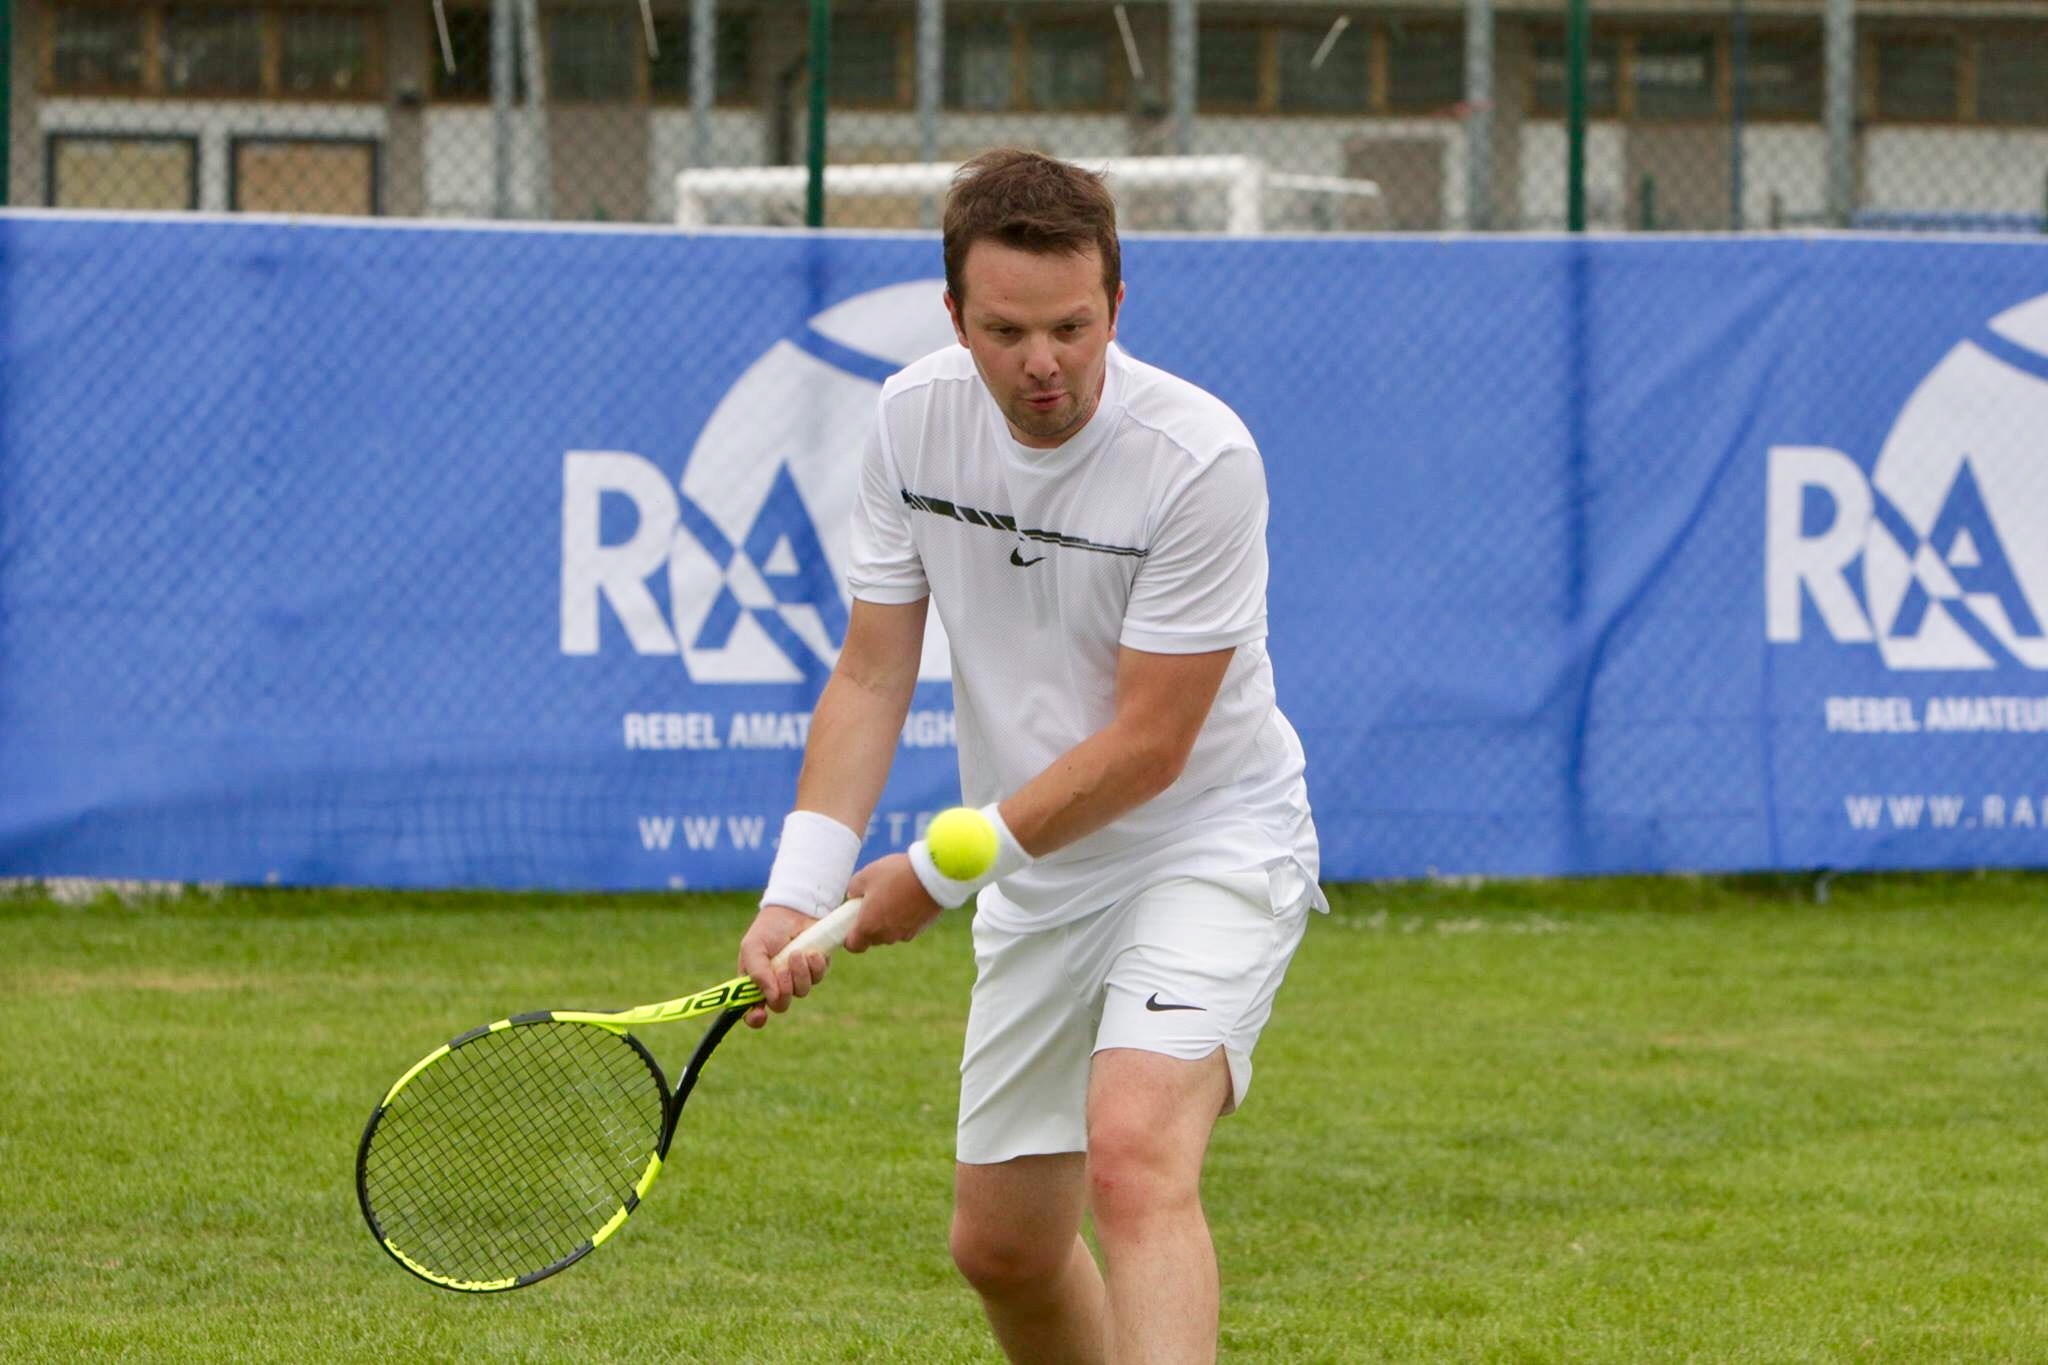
[962, 843]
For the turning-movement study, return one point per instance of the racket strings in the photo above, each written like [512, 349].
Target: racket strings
[509, 1152]
[530, 1151]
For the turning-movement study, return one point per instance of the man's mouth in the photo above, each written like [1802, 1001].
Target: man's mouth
[1044, 401]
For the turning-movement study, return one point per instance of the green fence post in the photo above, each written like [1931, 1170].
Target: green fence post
[1575, 103]
[821, 59]
[6, 100]
[1646, 215]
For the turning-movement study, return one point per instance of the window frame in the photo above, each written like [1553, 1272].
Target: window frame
[52, 144]
[1720, 73]
[1973, 59]
[1383, 87]
[154, 16]
[373, 55]
[1540, 34]
[636, 71]
[149, 20]
[1962, 104]
[903, 64]
[1019, 29]
[1372, 53]
[1116, 75]
[374, 146]
[738, 22]
[1790, 35]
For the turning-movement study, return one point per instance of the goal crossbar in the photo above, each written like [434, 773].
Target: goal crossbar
[1244, 181]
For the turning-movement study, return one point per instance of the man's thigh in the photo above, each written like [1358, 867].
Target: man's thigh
[1155, 1112]
[1024, 1210]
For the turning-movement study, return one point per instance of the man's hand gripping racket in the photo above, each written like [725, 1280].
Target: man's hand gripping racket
[514, 1150]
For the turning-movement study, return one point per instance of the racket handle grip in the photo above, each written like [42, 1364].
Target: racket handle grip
[824, 936]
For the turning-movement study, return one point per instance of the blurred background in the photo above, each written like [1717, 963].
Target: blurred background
[1422, 115]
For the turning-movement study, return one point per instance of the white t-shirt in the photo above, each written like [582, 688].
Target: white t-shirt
[1147, 529]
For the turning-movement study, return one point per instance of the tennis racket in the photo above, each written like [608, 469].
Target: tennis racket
[513, 1151]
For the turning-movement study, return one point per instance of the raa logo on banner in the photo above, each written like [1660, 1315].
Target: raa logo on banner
[753, 538]
[1950, 528]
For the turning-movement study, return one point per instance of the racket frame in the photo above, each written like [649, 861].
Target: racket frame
[730, 1000]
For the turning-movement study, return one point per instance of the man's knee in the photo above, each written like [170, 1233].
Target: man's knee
[1137, 1172]
[1003, 1261]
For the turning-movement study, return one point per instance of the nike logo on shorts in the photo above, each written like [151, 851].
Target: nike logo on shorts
[1152, 1003]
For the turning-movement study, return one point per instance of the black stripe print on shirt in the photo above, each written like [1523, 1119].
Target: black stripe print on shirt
[997, 521]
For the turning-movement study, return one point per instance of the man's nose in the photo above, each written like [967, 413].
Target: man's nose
[1038, 358]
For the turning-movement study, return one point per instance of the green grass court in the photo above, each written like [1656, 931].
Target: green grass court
[1621, 1121]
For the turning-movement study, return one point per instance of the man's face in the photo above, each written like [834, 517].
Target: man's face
[1038, 327]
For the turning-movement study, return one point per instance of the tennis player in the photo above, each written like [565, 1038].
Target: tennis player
[1092, 532]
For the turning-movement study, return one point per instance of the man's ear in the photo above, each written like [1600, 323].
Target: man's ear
[953, 313]
[1116, 309]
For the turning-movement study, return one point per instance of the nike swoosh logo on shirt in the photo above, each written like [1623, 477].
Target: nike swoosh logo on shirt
[1152, 1003]
[1017, 558]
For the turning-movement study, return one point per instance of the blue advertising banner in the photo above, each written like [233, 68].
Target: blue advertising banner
[432, 556]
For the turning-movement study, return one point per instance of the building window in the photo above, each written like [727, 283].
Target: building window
[325, 53]
[1551, 94]
[2012, 78]
[590, 55]
[1781, 76]
[111, 171]
[1227, 67]
[978, 66]
[1916, 77]
[1425, 68]
[213, 50]
[1674, 76]
[469, 43]
[1323, 70]
[866, 60]
[1070, 67]
[97, 49]
[302, 175]
[668, 71]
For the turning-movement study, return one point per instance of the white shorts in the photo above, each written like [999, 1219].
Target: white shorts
[1181, 969]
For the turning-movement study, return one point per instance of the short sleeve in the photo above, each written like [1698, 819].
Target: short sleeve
[883, 565]
[1202, 585]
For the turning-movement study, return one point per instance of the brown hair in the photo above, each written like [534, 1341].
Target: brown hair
[1032, 202]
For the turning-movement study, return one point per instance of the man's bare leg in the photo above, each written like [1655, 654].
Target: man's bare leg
[1017, 1238]
[1149, 1119]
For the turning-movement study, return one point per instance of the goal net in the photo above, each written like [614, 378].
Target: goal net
[1230, 194]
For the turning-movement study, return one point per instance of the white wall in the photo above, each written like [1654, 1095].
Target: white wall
[2001, 170]
[1543, 198]
[1790, 161]
[457, 155]
[738, 138]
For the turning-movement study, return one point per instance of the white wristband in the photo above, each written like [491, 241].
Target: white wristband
[948, 892]
[813, 864]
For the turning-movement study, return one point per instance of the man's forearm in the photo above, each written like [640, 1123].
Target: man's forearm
[1105, 776]
[852, 743]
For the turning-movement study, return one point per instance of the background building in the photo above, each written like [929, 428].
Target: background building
[1704, 115]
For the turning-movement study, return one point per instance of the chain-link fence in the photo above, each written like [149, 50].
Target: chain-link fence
[517, 556]
[1699, 114]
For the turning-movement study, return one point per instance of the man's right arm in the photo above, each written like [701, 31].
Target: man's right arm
[853, 738]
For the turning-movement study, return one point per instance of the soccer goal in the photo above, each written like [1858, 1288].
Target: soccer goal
[1233, 194]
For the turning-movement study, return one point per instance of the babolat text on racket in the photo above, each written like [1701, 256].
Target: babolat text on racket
[514, 1150]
